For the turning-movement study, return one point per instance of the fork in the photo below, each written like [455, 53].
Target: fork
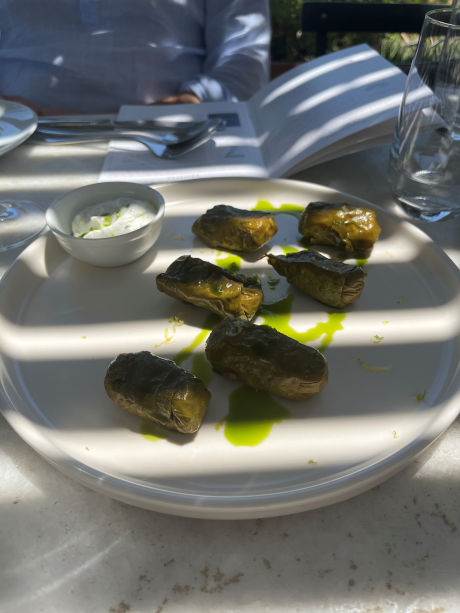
[160, 149]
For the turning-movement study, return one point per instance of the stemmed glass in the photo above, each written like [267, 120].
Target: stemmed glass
[425, 155]
[20, 220]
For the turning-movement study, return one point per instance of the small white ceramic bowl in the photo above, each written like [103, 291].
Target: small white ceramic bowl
[114, 250]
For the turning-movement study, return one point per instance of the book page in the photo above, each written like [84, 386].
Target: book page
[317, 104]
[231, 152]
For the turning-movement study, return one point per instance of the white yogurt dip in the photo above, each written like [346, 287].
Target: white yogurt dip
[111, 218]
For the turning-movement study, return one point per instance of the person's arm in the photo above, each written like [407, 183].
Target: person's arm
[181, 98]
[237, 39]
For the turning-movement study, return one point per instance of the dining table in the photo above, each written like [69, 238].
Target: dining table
[68, 548]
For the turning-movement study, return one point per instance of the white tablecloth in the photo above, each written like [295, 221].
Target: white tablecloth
[66, 549]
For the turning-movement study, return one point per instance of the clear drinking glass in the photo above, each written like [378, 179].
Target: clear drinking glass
[424, 168]
[20, 222]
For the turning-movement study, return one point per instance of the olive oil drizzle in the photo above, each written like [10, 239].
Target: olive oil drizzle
[230, 262]
[185, 353]
[201, 368]
[289, 249]
[251, 416]
[278, 315]
[150, 432]
[295, 210]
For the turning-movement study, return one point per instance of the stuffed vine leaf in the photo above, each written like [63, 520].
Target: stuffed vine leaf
[326, 279]
[156, 389]
[353, 229]
[265, 359]
[236, 229]
[211, 287]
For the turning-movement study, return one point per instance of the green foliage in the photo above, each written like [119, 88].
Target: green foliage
[289, 44]
[286, 36]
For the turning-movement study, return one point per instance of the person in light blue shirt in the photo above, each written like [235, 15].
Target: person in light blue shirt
[95, 55]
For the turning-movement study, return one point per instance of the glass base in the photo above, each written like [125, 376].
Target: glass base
[423, 212]
[20, 222]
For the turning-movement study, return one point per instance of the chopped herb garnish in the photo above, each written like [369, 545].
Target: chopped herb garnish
[420, 396]
[377, 339]
[251, 278]
[217, 290]
[273, 283]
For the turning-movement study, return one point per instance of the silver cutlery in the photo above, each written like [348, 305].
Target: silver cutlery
[111, 122]
[163, 150]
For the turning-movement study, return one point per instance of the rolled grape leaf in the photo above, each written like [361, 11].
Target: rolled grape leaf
[235, 229]
[265, 359]
[326, 279]
[353, 229]
[211, 287]
[156, 389]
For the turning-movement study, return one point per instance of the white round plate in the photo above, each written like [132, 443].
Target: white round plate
[17, 123]
[393, 368]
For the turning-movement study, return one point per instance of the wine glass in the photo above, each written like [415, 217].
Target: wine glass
[424, 165]
[20, 220]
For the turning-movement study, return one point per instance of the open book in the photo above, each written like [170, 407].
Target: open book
[335, 104]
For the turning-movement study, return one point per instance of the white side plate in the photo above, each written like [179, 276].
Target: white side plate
[17, 123]
[393, 368]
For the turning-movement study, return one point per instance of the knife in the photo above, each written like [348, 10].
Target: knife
[110, 121]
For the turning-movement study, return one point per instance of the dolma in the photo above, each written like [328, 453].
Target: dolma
[353, 229]
[326, 279]
[235, 229]
[211, 287]
[156, 389]
[265, 359]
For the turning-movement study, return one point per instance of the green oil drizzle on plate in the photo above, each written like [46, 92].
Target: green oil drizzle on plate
[201, 368]
[251, 416]
[185, 353]
[295, 210]
[151, 432]
[277, 316]
[289, 249]
[230, 261]
[304, 242]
